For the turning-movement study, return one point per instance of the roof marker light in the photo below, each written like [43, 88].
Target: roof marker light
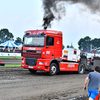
[41, 32]
[27, 33]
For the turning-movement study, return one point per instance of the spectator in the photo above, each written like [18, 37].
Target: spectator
[94, 83]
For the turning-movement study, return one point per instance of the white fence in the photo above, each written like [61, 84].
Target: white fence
[9, 54]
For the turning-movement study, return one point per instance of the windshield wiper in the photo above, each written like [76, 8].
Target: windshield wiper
[39, 45]
[29, 45]
[33, 45]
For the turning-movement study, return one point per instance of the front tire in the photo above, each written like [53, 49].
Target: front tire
[53, 69]
[32, 71]
[81, 69]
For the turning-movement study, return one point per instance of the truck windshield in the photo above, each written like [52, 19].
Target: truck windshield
[37, 41]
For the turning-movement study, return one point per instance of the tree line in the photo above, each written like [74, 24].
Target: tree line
[5, 35]
[87, 44]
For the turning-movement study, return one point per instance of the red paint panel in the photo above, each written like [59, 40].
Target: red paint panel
[69, 66]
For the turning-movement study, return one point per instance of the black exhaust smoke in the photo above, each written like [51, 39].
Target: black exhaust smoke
[56, 9]
[47, 20]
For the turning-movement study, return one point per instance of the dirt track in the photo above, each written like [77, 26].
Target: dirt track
[19, 84]
[11, 61]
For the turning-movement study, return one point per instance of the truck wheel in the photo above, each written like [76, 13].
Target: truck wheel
[81, 69]
[53, 69]
[32, 71]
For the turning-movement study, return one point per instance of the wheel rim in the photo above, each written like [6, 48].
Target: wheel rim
[53, 69]
[81, 69]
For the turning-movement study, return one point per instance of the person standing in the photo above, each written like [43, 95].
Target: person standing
[94, 83]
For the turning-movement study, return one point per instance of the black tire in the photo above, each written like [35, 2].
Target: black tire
[53, 69]
[32, 71]
[81, 69]
[2, 64]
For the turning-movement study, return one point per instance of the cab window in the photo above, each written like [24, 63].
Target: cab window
[50, 41]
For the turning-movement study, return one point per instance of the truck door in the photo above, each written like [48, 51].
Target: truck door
[49, 47]
[58, 47]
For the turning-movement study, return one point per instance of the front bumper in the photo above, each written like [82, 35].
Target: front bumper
[40, 64]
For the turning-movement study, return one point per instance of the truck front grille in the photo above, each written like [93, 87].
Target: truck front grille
[31, 61]
[31, 54]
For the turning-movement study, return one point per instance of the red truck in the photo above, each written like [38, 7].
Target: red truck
[42, 50]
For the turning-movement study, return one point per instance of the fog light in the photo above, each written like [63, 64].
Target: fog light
[40, 63]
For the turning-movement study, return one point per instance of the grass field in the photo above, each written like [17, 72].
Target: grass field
[12, 65]
[10, 57]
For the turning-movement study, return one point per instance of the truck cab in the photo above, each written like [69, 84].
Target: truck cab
[40, 49]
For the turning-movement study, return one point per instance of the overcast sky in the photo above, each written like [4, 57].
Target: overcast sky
[21, 15]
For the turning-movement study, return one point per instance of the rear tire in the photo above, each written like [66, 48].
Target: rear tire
[53, 69]
[81, 69]
[32, 71]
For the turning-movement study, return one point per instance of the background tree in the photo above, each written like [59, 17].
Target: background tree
[5, 35]
[63, 46]
[85, 44]
[18, 40]
[95, 43]
[81, 44]
[70, 46]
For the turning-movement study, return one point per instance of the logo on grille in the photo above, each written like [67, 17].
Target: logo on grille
[31, 48]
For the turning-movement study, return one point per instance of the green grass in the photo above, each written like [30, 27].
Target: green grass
[12, 65]
[10, 57]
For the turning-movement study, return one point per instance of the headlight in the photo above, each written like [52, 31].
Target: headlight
[22, 61]
[40, 63]
[22, 65]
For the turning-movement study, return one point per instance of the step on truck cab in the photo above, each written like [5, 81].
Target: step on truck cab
[42, 50]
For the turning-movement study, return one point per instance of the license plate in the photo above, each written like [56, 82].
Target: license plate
[30, 67]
